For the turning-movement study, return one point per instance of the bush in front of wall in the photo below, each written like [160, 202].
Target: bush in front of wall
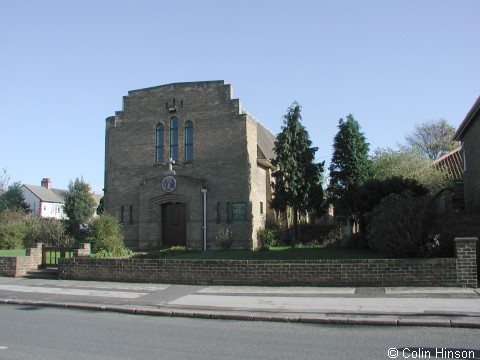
[106, 237]
[400, 226]
[266, 238]
[225, 238]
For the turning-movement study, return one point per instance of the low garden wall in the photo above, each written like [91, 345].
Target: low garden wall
[13, 266]
[459, 271]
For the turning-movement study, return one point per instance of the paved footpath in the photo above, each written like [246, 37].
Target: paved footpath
[459, 307]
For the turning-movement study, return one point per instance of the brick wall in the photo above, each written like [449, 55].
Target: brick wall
[13, 266]
[431, 272]
[466, 252]
[371, 272]
[471, 146]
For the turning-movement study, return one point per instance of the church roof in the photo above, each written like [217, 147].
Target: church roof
[265, 139]
[47, 195]
[266, 142]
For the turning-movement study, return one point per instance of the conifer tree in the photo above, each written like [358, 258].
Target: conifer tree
[350, 167]
[79, 202]
[298, 178]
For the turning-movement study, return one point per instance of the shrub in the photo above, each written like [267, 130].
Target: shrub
[51, 232]
[327, 235]
[32, 233]
[225, 238]
[310, 245]
[106, 237]
[400, 225]
[369, 195]
[356, 241]
[12, 229]
[11, 236]
[266, 238]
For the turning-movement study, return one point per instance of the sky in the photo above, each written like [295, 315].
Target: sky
[66, 65]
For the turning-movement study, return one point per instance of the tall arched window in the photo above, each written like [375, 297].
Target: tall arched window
[188, 141]
[174, 138]
[159, 143]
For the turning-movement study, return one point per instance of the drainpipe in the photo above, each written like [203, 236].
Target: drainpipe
[204, 193]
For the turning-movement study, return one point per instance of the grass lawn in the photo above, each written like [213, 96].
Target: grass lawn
[279, 253]
[15, 252]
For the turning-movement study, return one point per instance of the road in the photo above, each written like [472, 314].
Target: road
[47, 333]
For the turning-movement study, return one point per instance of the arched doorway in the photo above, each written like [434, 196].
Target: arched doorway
[174, 224]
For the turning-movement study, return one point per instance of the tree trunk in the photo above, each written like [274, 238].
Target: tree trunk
[295, 228]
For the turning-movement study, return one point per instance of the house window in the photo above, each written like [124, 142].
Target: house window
[188, 141]
[174, 138]
[159, 143]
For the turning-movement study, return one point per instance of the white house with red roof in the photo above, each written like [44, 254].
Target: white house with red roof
[48, 202]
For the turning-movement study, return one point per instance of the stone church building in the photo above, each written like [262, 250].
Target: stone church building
[183, 160]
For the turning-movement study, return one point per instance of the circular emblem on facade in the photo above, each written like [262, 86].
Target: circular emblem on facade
[169, 184]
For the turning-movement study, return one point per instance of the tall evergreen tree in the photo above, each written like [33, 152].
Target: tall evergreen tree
[79, 202]
[298, 178]
[350, 167]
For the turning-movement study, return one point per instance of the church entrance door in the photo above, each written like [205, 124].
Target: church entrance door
[174, 225]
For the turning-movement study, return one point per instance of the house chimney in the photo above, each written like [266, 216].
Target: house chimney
[47, 183]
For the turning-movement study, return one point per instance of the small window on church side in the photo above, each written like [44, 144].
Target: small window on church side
[261, 208]
[219, 213]
[122, 214]
[174, 138]
[159, 144]
[229, 212]
[131, 214]
[188, 141]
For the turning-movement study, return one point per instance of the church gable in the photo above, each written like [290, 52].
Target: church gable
[207, 135]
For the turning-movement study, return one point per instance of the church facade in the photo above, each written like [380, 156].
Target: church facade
[184, 160]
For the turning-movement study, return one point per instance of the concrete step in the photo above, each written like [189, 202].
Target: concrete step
[43, 273]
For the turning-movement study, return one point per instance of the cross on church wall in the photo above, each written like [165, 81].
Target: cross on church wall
[170, 170]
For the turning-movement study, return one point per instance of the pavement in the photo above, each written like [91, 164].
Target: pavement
[389, 306]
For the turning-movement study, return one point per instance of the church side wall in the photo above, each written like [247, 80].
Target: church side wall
[257, 182]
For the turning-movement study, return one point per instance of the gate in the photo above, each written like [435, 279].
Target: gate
[51, 254]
